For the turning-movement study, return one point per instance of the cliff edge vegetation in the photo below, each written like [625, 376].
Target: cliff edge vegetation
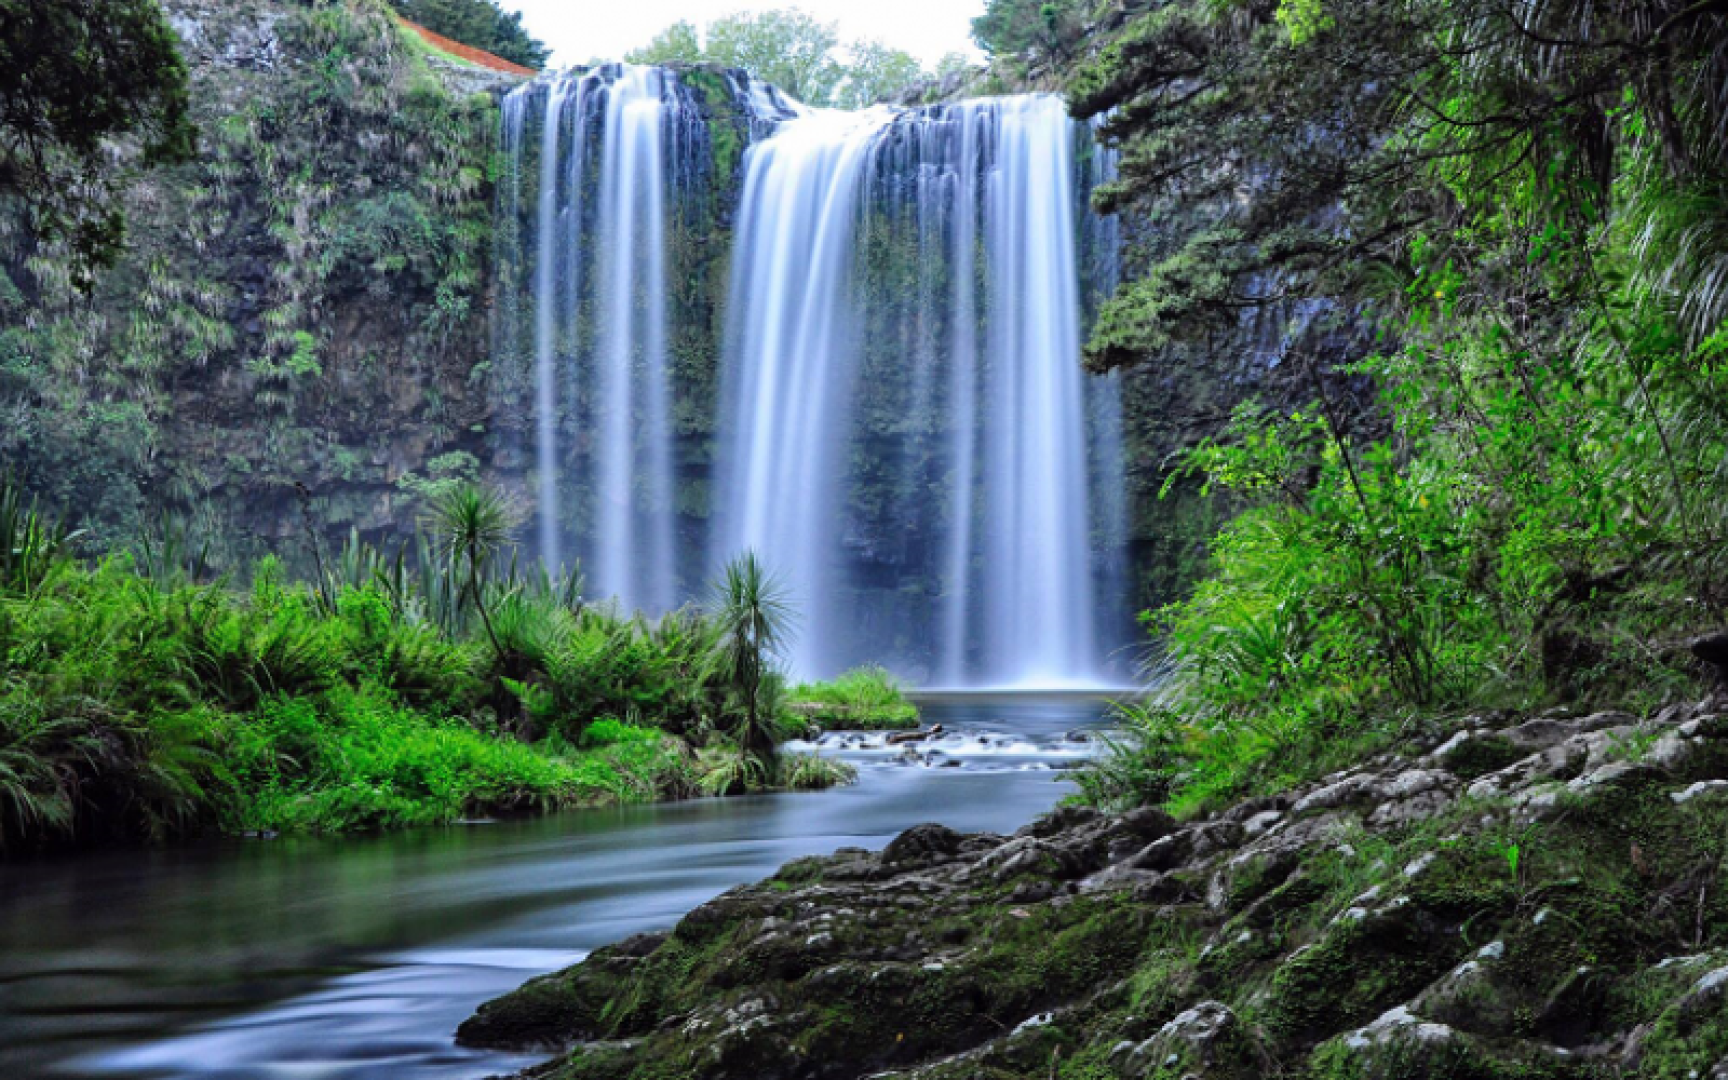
[1514, 260]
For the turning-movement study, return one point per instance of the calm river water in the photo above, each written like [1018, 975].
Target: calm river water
[356, 959]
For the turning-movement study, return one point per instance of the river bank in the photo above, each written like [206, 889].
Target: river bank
[1522, 897]
[360, 955]
[145, 699]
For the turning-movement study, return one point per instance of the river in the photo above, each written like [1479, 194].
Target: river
[353, 959]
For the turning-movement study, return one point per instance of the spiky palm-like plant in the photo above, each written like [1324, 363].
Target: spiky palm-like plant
[755, 617]
[472, 523]
[30, 543]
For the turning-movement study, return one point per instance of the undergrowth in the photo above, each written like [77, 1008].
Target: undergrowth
[138, 702]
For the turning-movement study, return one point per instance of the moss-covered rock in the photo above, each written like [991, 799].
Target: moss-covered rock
[1399, 1046]
[1490, 940]
[580, 1004]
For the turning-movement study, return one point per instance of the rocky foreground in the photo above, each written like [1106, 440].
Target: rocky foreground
[1536, 899]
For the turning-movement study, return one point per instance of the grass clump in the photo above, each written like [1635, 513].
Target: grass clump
[868, 698]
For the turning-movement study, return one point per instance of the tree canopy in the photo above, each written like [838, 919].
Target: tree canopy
[1306, 143]
[75, 75]
[481, 24]
[1047, 28]
[789, 48]
[677, 44]
[798, 53]
[877, 73]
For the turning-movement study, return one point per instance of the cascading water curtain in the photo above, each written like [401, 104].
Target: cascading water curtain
[909, 436]
[791, 351]
[633, 554]
[1036, 566]
[584, 279]
[1101, 273]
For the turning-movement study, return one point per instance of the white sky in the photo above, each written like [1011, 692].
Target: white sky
[582, 30]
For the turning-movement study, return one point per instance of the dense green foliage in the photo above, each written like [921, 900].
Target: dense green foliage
[75, 74]
[135, 707]
[1513, 219]
[138, 701]
[300, 304]
[481, 24]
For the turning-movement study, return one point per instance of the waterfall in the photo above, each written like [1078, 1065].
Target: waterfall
[633, 557]
[546, 312]
[963, 398]
[1036, 578]
[610, 147]
[873, 378]
[1101, 273]
[923, 266]
[790, 361]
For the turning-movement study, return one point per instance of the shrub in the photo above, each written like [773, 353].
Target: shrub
[240, 654]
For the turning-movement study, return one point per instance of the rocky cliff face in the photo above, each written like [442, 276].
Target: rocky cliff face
[306, 304]
[1527, 898]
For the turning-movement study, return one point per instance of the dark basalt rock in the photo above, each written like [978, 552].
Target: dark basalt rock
[922, 844]
[1713, 650]
[557, 1010]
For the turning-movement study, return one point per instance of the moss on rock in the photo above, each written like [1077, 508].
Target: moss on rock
[1498, 939]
